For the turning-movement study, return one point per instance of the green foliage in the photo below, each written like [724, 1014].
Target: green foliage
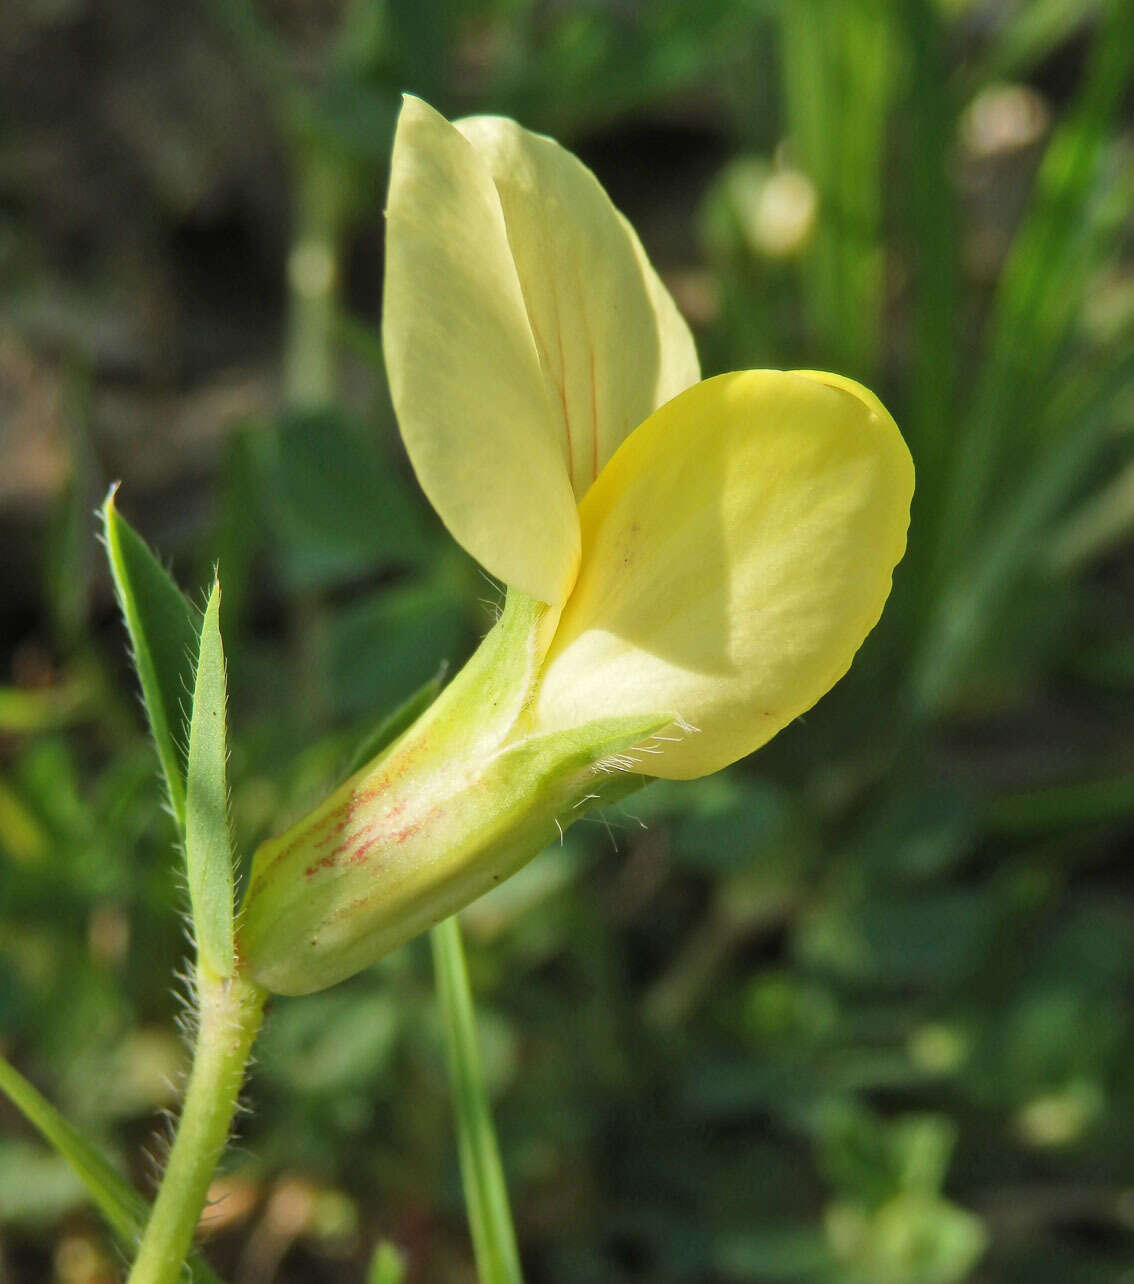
[121, 1205]
[339, 510]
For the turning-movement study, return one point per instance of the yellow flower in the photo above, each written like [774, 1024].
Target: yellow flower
[715, 551]
[689, 564]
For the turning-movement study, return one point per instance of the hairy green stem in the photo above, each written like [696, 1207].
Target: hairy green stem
[229, 1013]
[486, 1194]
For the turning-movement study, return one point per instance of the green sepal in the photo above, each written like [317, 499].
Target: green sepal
[396, 849]
[382, 736]
[463, 799]
[480, 707]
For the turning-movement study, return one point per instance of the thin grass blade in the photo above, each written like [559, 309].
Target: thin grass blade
[1038, 299]
[1015, 538]
[839, 60]
[486, 1194]
[120, 1204]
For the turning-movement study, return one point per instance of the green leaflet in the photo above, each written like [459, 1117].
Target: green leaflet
[208, 844]
[163, 630]
[124, 1209]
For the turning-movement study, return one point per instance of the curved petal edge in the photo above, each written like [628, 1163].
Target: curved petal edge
[737, 549]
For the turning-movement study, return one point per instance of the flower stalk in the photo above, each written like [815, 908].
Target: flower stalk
[229, 1013]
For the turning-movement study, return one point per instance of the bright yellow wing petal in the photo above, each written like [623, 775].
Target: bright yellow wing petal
[737, 549]
[465, 376]
[611, 342]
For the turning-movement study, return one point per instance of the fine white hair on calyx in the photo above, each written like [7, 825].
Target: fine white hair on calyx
[495, 603]
[655, 744]
[587, 798]
[616, 762]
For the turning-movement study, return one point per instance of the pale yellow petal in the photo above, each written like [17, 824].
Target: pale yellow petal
[465, 376]
[737, 550]
[611, 341]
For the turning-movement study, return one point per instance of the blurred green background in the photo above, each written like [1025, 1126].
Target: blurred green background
[856, 1011]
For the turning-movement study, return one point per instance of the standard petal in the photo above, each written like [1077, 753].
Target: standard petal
[465, 376]
[737, 550]
[611, 341]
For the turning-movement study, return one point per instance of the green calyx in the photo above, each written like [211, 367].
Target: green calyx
[464, 798]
